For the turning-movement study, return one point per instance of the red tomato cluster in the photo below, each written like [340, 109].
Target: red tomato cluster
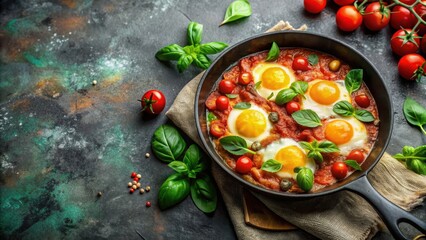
[377, 15]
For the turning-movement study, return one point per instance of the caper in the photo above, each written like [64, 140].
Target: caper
[285, 184]
[273, 117]
[334, 65]
[256, 146]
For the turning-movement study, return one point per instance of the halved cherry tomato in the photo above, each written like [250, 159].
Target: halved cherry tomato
[339, 170]
[344, 2]
[153, 102]
[356, 155]
[405, 41]
[226, 86]
[348, 18]
[222, 103]
[292, 107]
[362, 100]
[401, 17]
[211, 101]
[376, 16]
[217, 129]
[243, 165]
[314, 6]
[245, 78]
[301, 63]
[412, 66]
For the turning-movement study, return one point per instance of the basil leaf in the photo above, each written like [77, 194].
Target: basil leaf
[273, 53]
[414, 158]
[175, 189]
[307, 146]
[300, 87]
[237, 10]
[200, 167]
[364, 116]
[171, 52]
[285, 96]
[202, 61]
[204, 194]
[316, 155]
[307, 118]
[305, 179]
[184, 62]
[231, 96]
[192, 156]
[353, 164]
[211, 117]
[297, 169]
[327, 147]
[242, 105]
[257, 85]
[178, 166]
[194, 32]
[270, 95]
[212, 47]
[313, 59]
[416, 166]
[235, 145]
[353, 80]
[344, 108]
[415, 113]
[271, 165]
[420, 151]
[167, 144]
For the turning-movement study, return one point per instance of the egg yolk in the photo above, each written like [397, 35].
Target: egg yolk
[275, 78]
[250, 123]
[324, 92]
[339, 132]
[291, 157]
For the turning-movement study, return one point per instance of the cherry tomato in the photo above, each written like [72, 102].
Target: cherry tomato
[421, 11]
[226, 86]
[344, 2]
[300, 63]
[217, 129]
[401, 17]
[243, 165]
[411, 44]
[211, 101]
[411, 66]
[376, 16]
[356, 155]
[314, 6]
[409, 2]
[348, 18]
[339, 170]
[292, 107]
[222, 103]
[362, 100]
[245, 78]
[153, 102]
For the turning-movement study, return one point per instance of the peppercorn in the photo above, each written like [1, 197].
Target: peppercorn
[139, 176]
[147, 155]
[129, 184]
[138, 184]
[256, 146]
[99, 194]
[273, 117]
[334, 65]
[148, 188]
[285, 184]
[94, 82]
[148, 204]
[133, 175]
[134, 182]
[136, 179]
[131, 190]
[142, 191]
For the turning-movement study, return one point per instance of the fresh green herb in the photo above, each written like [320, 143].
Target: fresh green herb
[300, 87]
[257, 85]
[174, 190]
[307, 118]
[286, 95]
[242, 105]
[313, 59]
[305, 178]
[237, 10]
[211, 117]
[270, 95]
[178, 166]
[231, 96]
[235, 145]
[194, 53]
[271, 165]
[415, 113]
[353, 80]
[315, 149]
[192, 159]
[203, 194]
[414, 158]
[353, 164]
[273, 53]
[167, 144]
[345, 108]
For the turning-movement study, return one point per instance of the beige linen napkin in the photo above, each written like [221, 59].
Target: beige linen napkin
[343, 215]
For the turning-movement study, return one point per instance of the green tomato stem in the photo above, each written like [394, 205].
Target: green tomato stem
[423, 130]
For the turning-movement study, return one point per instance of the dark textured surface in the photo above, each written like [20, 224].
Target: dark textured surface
[63, 140]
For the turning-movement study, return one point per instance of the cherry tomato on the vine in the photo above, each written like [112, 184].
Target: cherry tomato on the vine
[405, 41]
[153, 102]
[411, 66]
[423, 44]
[401, 17]
[222, 103]
[292, 107]
[344, 2]
[301, 63]
[226, 86]
[339, 170]
[376, 16]
[243, 165]
[409, 2]
[421, 11]
[362, 100]
[356, 155]
[314, 6]
[348, 18]
[217, 129]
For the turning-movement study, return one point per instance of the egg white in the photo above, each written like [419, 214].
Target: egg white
[359, 139]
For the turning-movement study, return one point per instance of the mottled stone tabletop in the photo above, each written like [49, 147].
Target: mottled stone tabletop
[63, 140]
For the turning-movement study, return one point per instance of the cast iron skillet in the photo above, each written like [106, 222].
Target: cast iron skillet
[357, 182]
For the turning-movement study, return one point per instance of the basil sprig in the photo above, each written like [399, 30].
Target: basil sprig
[273, 53]
[415, 113]
[271, 165]
[286, 95]
[315, 149]
[236, 10]
[354, 164]
[304, 178]
[313, 59]
[307, 118]
[194, 53]
[235, 145]
[167, 144]
[345, 108]
[413, 158]
[353, 80]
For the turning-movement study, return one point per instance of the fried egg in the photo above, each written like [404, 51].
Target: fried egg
[252, 124]
[290, 154]
[273, 77]
[346, 133]
[322, 95]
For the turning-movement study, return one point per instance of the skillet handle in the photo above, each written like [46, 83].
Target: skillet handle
[391, 214]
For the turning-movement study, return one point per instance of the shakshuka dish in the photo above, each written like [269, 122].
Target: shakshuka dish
[296, 123]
